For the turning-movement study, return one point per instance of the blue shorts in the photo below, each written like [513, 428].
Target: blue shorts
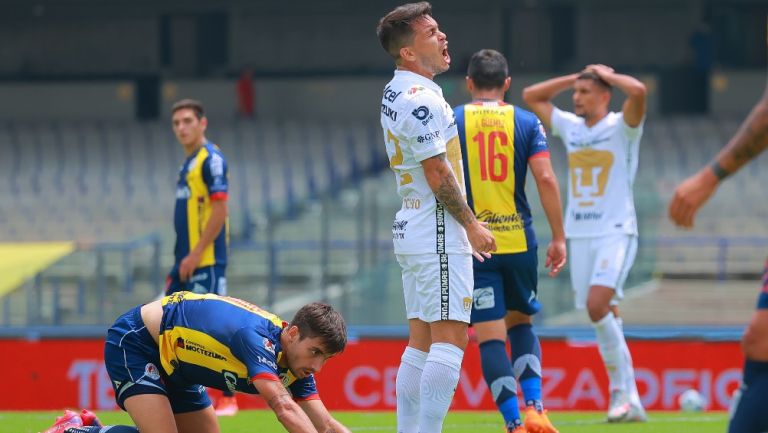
[208, 279]
[750, 415]
[505, 282]
[133, 364]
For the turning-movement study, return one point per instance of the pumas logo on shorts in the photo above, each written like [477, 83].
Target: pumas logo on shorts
[467, 304]
[483, 298]
[151, 371]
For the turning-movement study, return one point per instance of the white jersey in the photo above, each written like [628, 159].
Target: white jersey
[419, 124]
[602, 162]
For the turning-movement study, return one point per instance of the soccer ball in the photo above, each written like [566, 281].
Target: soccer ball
[691, 401]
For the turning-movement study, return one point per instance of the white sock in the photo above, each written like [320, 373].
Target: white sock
[613, 347]
[407, 389]
[629, 375]
[438, 384]
[634, 396]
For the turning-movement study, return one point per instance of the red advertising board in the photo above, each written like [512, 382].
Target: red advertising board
[53, 374]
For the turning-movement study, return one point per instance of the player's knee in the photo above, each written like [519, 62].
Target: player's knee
[596, 309]
[459, 340]
[451, 332]
[515, 318]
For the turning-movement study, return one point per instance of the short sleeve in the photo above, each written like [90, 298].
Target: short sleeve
[257, 352]
[538, 146]
[424, 126]
[304, 389]
[630, 132]
[215, 174]
[562, 121]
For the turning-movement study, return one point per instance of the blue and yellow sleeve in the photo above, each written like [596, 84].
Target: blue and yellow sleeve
[257, 353]
[304, 389]
[215, 176]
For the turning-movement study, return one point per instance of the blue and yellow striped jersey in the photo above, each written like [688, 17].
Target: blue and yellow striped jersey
[224, 343]
[203, 177]
[497, 140]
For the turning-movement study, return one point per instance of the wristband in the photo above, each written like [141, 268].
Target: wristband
[718, 170]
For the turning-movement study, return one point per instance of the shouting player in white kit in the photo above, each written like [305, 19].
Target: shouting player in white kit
[435, 232]
[600, 220]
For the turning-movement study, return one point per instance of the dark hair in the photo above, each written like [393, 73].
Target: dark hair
[321, 320]
[488, 69]
[595, 79]
[394, 29]
[192, 104]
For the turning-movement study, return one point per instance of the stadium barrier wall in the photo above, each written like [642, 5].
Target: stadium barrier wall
[57, 373]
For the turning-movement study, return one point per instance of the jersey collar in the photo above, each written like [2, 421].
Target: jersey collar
[419, 79]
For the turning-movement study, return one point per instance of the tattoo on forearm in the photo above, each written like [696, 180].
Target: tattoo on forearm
[278, 400]
[751, 139]
[449, 194]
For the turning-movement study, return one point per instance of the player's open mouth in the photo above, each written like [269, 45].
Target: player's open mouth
[446, 56]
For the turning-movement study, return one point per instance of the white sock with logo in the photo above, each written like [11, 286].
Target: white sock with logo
[613, 348]
[438, 384]
[407, 389]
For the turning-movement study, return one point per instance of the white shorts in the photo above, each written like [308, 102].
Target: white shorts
[603, 261]
[434, 292]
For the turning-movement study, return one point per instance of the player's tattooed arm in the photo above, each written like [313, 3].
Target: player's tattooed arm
[321, 418]
[750, 140]
[286, 410]
[278, 400]
[446, 189]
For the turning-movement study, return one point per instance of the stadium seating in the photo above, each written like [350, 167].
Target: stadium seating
[96, 182]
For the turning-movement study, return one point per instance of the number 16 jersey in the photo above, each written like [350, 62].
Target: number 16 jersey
[418, 124]
[498, 140]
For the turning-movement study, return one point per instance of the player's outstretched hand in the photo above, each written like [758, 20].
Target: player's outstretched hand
[690, 195]
[482, 241]
[556, 257]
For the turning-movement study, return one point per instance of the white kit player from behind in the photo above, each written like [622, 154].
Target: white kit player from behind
[600, 220]
[435, 232]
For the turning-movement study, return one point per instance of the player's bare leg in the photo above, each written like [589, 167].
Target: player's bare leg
[151, 413]
[199, 421]
[625, 402]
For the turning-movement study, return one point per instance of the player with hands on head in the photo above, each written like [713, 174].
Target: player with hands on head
[600, 219]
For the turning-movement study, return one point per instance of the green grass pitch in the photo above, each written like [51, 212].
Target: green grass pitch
[457, 422]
